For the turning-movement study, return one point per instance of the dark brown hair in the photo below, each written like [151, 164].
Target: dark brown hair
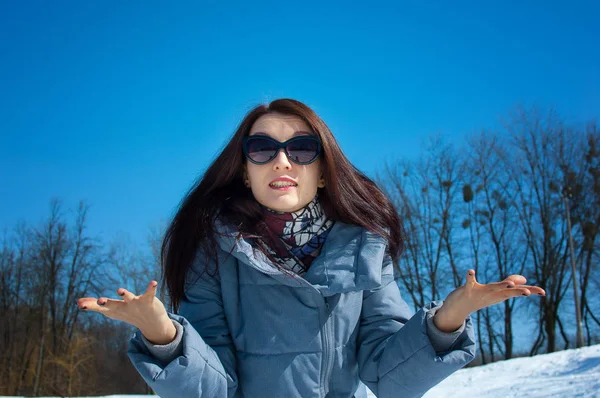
[348, 196]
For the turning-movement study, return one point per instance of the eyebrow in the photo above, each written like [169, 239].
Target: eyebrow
[296, 133]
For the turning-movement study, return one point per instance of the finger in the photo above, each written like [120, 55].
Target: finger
[495, 295]
[84, 301]
[471, 279]
[505, 294]
[500, 291]
[516, 279]
[102, 305]
[152, 286]
[499, 285]
[523, 290]
[531, 289]
[150, 291]
[535, 290]
[126, 294]
[519, 291]
[109, 304]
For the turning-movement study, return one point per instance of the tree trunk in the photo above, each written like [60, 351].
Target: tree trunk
[39, 366]
[508, 333]
[550, 329]
[480, 340]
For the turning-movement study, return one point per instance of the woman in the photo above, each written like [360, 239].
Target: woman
[279, 266]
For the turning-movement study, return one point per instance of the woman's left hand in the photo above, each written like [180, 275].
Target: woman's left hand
[473, 296]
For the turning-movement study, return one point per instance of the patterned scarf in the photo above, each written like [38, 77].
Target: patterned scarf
[295, 239]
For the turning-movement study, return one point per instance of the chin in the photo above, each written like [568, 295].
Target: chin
[284, 204]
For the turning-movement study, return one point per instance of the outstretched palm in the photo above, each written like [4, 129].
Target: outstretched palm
[473, 296]
[480, 296]
[145, 312]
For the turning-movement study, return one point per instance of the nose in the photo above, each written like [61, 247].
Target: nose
[281, 161]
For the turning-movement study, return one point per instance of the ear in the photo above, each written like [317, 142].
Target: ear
[321, 183]
[245, 176]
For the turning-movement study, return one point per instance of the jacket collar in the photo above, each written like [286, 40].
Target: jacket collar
[350, 260]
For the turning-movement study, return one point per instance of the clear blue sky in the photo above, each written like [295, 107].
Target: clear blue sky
[124, 103]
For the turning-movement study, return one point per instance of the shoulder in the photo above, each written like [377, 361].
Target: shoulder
[343, 233]
[209, 264]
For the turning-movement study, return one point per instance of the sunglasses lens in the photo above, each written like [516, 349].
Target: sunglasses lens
[303, 150]
[260, 150]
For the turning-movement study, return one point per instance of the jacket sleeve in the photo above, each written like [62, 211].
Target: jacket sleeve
[396, 354]
[205, 366]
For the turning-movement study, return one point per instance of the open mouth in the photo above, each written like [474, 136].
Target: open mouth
[282, 184]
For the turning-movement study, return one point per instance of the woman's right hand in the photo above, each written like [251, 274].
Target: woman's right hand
[146, 312]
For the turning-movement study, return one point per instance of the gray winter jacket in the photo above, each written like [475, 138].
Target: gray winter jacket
[255, 331]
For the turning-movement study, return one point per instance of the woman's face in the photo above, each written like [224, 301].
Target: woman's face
[261, 177]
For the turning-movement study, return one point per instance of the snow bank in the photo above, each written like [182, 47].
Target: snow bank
[569, 373]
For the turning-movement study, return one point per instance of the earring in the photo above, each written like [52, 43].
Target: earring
[247, 183]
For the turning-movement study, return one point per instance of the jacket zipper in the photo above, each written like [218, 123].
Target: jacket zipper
[327, 358]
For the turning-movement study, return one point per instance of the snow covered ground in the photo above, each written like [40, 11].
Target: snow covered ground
[570, 373]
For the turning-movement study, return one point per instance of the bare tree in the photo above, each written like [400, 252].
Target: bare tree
[43, 270]
[534, 171]
[73, 365]
[495, 214]
[505, 196]
[425, 193]
[580, 165]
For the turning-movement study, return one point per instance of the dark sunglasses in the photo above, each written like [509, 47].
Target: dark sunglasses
[260, 149]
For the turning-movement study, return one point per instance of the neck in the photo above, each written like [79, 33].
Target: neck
[314, 203]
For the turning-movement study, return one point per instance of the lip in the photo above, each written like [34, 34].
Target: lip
[283, 179]
[284, 189]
